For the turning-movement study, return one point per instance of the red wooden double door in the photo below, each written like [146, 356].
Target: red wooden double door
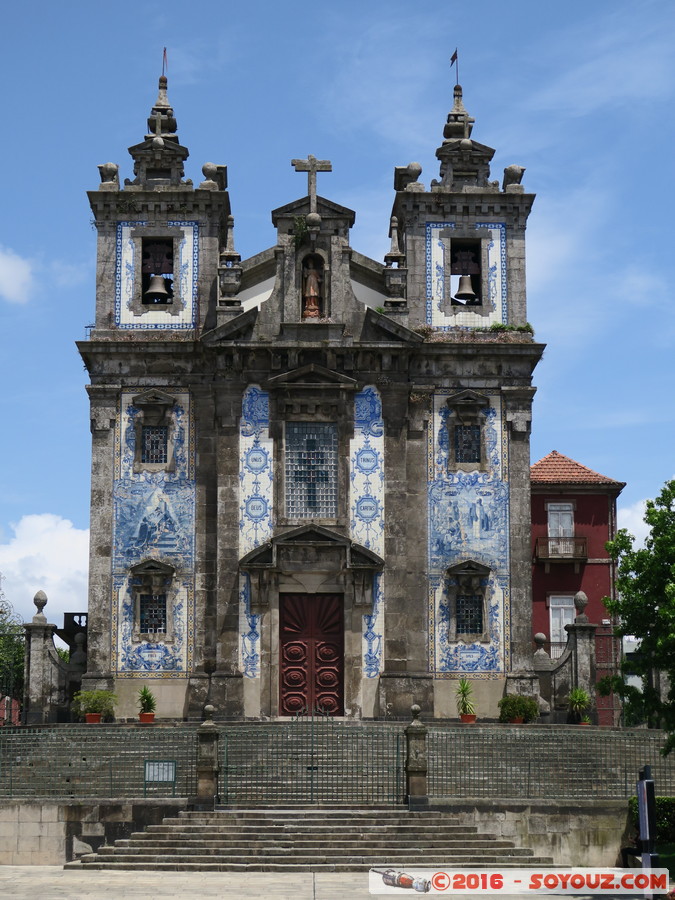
[311, 639]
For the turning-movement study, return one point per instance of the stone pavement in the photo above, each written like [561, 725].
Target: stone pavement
[55, 883]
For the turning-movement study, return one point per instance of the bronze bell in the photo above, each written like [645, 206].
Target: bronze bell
[157, 292]
[465, 290]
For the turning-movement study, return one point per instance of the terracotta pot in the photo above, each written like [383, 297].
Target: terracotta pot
[517, 720]
[92, 718]
[467, 718]
[146, 717]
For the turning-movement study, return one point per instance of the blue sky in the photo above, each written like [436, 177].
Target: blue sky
[580, 93]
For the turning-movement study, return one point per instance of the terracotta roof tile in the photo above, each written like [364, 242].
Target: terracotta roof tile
[558, 469]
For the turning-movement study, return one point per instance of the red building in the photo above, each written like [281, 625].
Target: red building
[573, 516]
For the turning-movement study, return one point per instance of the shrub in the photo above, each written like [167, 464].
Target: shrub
[94, 702]
[515, 706]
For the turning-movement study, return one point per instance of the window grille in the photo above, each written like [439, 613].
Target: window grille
[311, 470]
[153, 613]
[469, 614]
[155, 439]
[467, 443]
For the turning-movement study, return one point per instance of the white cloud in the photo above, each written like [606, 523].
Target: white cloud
[46, 553]
[632, 518]
[16, 276]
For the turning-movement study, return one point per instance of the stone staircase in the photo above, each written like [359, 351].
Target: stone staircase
[308, 840]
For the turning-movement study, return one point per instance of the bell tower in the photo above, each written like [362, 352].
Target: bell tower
[161, 244]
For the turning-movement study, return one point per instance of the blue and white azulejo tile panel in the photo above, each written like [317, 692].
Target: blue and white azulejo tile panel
[366, 508]
[256, 510]
[468, 516]
[127, 270]
[154, 519]
[438, 291]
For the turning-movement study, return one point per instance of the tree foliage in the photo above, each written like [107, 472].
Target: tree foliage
[11, 652]
[645, 605]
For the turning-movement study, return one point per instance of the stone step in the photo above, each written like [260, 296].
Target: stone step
[417, 857]
[267, 846]
[284, 867]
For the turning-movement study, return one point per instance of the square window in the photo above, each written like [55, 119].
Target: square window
[152, 610]
[311, 470]
[154, 444]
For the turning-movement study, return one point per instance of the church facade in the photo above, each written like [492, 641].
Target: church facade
[310, 470]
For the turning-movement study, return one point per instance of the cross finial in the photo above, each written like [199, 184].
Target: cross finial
[312, 165]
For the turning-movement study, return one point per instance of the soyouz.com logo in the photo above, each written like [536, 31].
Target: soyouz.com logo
[393, 880]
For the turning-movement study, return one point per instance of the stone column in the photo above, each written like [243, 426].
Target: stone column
[207, 763]
[416, 762]
[38, 682]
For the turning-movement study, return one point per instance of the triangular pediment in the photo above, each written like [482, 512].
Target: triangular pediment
[312, 374]
[152, 567]
[355, 555]
[468, 398]
[239, 327]
[326, 209]
[469, 567]
[379, 327]
[153, 398]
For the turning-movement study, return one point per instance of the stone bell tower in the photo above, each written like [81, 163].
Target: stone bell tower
[159, 245]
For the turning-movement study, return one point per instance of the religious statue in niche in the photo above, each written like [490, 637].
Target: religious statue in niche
[312, 279]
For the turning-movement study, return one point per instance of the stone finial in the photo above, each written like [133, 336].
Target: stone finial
[404, 176]
[40, 601]
[161, 121]
[394, 257]
[460, 123]
[79, 657]
[109, 173]
[215, 177]
[540, 640]
[513, 175]
[416, 710]
[208, 715]
[580, 604]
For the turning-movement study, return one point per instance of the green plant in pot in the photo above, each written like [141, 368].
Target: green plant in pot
[578, 702]
[466, 708]
[94, 705]
[147, 704]
[517, 708]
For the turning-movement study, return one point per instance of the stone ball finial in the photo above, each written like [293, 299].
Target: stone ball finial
[540, 640]
[466, 144]
[209, 710]
[313, 221]
[415, 709]
[158, 143]
[210, 171]
[108, 172]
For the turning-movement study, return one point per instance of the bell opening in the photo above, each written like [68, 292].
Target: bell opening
[157, 271]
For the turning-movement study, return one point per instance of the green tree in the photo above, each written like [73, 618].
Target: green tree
[11, 652]
[645, 605]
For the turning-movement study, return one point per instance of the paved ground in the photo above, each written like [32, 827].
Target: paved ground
[55, 883]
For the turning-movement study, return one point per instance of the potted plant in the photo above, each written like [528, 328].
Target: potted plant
[466, 708]
[94, 705]
[516, 708]
[146, 705]
[578, 702]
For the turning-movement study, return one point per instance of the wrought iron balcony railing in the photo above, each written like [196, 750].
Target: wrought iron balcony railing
[561, 548]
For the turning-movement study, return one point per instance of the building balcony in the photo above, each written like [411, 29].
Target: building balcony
[561, 550]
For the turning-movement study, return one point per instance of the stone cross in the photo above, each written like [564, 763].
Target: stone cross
[312, 165]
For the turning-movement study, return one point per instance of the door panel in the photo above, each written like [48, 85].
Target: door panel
[311, 641]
